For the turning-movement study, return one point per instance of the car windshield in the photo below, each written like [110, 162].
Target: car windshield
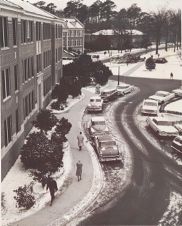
[150, 103]
[98, 100]
[91, 100]
[94, 123]
[177, 139]
[108, 143]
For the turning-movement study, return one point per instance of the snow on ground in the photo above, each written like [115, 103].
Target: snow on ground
[18, 176]
[174, 210]
[174, 107]
[64, 62]
[69, 103]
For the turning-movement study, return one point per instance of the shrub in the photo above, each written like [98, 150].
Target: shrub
[3, 200]
[24, 197]
[60, 92]
[41, 153]
[55, 105]
[45, 120]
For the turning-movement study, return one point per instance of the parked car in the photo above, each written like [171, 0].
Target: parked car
[95, 104]
[162, 96]
[109, 94]
[177, 92]
[177, 144]
[164, 125]
[124, 88]
[97, 125]
[107, 148]
[149, 63]
[160, 60]
[150, 107]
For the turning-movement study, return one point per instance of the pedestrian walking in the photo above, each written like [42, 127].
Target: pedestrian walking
[171, 75]
[52, 186]
[80, 139]
[79, 170]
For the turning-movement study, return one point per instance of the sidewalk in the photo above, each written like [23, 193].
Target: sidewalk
[76, 191]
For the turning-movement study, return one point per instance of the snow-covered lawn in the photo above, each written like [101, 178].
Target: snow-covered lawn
[174, 107]
[18, 176]
[69, 103]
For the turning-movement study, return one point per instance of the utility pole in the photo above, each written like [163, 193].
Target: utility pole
[118, 74]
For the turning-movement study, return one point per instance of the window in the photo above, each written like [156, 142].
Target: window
[28, 104]
[17, 121]
[29, 31]
[4, 32]
[14, 23]
[39, 63]
[38, 31]
[6, 83]
[46, 31]
[47, 58]
[7, 130]
[23, 31]
[26, 31]
[47, 85]
[59, 31]
[74, 33]
[16, 77]
[28, 68]
[59, 53]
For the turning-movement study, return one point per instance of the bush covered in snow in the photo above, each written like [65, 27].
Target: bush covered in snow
[41, 154]
[45, 120]
[24, 197]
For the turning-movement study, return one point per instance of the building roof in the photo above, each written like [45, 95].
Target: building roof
[9, 4]
[112, 32]
[72, 23]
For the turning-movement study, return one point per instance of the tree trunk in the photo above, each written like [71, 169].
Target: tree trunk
[166, 41]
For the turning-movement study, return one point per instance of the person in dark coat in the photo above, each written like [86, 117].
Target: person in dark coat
[52, 186]
[80, 139]
[79, 170]
[171, 75]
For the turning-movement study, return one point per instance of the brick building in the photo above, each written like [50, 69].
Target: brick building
[31, 64]
[73, 35]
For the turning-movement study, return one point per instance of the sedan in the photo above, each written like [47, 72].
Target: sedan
[107, 148]
[150, 107]
[124, 88]
[162, 96]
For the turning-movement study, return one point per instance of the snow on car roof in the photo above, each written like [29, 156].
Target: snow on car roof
[95, 97]
[98, 119]
[105, 137]
[150, 101]
[108, 89]
[175, 106]
[168, 117]
[162, 92]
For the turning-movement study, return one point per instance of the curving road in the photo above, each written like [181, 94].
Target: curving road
[154, 176]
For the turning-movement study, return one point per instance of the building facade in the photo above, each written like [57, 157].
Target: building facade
[73, 35]
[31, 64]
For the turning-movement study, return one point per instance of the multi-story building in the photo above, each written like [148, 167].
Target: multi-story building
[30, 65]
[73, 35]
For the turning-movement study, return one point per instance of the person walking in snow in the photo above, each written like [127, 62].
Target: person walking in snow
[171, 75]
[80, 139]
[52, 186]
[79, 170]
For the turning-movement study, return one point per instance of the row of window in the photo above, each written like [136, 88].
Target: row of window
[74, 42]
[26, 31]
[28, 104]
[74, 33]
[28, 68]
[47, 85]
[6, 85]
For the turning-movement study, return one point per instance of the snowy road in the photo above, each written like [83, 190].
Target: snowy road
[155, 175]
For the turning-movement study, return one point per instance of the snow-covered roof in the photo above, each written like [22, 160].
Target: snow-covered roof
[98, 119]
[29, 8]
[72, 23]
[7, 3]
[112, 32]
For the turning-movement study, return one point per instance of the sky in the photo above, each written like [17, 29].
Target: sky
[146, 5]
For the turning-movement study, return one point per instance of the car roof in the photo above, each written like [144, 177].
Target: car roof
[178, 137]
[168, 117]
[95, 97]
[98, 119]
[105, 137]
[150, 100]
[108, 89]
[162, 92]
